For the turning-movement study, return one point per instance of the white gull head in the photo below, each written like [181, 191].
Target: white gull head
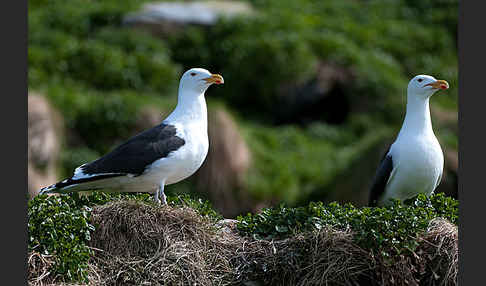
[197, 81]
[424, 86]
[191, 105]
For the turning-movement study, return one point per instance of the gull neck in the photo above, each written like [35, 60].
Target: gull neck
[417, 117]
[191, 106]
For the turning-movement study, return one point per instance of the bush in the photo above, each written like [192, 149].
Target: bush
[58, 227]
[284, 42]
[387, 231]
[254, 58]
[99, 74]
[99, 120]
[290, 162]
[89, 45]
[202, 207]
[61, 226]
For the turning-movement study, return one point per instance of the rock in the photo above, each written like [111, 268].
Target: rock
[43, 143]
[38, 179]
[221, 177]
[167, 17]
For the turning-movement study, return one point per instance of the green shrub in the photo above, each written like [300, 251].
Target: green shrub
[386, 231]
[61, 226]
[290, 162]
[202, 207]
[280, 44]
[100, 119]
[253, 56]
[75, 157]
[58, 227]
[99, 74]
[81, 18]
[89, 45]
[102, 65]
[383, 43]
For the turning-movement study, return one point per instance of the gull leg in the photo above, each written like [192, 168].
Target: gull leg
[156, 196]
[161, 193]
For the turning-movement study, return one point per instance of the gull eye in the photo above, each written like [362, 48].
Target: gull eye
[193, 74]
[419, 80]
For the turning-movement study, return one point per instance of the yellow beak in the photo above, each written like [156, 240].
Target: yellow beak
[440, 84]
[215, 78]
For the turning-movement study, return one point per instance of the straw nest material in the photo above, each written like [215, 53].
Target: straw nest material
[139, 244]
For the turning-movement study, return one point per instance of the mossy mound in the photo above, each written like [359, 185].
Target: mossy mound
[134, 242]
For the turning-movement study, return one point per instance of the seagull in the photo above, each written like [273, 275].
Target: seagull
[413, 164]
[162, 155]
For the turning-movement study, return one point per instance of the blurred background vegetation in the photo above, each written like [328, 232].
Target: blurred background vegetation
[314, 90]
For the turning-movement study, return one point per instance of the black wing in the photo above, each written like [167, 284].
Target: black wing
[381, 178]
[133, 156]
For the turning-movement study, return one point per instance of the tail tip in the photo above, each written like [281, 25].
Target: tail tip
[47, 190]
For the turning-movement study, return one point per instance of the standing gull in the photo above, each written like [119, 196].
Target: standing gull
[162, 155]
[414, 162]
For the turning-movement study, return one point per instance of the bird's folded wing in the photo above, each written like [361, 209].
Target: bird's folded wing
[381, 178]
[133, 156]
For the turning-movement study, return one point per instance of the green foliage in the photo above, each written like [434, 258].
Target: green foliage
[75, 157]
[84, 41]
[57, 226]
[385, 231]
[291, 162]
[255, 61]
[202, 207]
[98, 120]
[442, 205]
[99, 74]
[283, 43]
[61, 226]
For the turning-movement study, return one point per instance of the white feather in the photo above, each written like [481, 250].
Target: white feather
[416, 153]
[190, 121]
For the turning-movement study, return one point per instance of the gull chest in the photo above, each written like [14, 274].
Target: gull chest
[418, 163]
[190, 156]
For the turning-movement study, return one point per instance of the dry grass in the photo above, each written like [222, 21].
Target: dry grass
[39, 274]
[150, 245]
[38, 266]
[138, 244]
[439, 253]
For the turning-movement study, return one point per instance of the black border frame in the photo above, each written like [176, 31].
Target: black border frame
[14, 141]
[471, 50]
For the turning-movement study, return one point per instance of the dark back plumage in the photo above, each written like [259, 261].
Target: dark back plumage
[381, 178]
[133, 156]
